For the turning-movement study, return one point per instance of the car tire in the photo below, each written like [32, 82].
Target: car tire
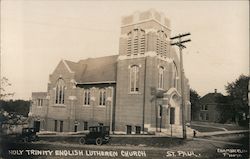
[82, 141]
[25, 139]
[98, 141]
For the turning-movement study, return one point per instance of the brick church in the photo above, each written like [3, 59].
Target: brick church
[118, 90]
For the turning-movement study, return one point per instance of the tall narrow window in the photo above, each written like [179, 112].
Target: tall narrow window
[129, 47]
[61, 126]
[102, 100]
[135, 39]
[175, 75]
[86, 97]
[142, 42]
[136, 42]
[161, 43]
[161, 78]
[134, 78]
[55, 126]
[60, 91]
[39, 102]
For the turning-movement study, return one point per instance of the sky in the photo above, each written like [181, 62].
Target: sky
[36, 35]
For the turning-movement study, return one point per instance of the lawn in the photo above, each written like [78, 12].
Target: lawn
[209, 126]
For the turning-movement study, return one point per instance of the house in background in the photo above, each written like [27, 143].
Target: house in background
[208, 111]
[117, 90]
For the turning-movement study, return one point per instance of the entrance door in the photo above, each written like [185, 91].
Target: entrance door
[172, 115]
[61, 126]
[75, 129]
[37, 126]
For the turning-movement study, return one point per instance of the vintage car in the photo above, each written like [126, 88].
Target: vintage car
[97, 135]
[28, 135]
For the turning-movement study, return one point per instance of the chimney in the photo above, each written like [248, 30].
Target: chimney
[215, 90]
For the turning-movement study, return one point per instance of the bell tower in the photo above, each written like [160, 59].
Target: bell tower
[145, 32]
[144, 48]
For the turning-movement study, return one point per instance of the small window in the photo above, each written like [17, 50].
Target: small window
[137, 130]
[207, 116]
[85, 125]
[206, 107]
[201, 116]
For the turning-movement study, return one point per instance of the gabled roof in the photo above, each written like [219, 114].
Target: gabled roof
[210, 98]
[94, 70]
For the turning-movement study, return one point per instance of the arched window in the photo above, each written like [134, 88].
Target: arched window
[136, 42]
[102, 100]
[86, 97]
[60, 91]
[161, 77]
[161, 43]
[175, 76]
[134, 78]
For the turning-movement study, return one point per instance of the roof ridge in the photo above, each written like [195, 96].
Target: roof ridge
[95, 58]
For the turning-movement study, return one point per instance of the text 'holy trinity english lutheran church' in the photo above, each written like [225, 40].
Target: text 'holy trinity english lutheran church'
[117, 90]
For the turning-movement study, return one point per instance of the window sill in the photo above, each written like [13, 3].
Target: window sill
[102, 106]
[160, 89]
[59, 105]
[86, 105]
[134, 93]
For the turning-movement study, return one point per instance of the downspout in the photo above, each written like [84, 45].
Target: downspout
[144, 95]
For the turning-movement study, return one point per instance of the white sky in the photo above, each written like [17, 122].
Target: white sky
[36, 35]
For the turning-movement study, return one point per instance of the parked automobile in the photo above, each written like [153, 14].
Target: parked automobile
[97, 135]
[28, 135]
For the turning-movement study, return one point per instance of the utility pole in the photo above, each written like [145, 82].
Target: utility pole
[179, 43]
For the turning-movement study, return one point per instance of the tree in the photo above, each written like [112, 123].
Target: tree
[234, 106]
[194, 100]
[19, 107]
[4, 83]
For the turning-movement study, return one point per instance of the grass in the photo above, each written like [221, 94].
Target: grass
[219, 125]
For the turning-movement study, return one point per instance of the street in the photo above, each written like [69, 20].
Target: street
[230, 146]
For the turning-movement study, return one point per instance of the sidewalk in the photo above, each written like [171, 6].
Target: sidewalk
[203, 134]
[216, 127]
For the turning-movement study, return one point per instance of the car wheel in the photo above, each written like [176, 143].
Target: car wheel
[98, 141]
[82, 141]
[33, 138]
[37, 138]
[25, 139]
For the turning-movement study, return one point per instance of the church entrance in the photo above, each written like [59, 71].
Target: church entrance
[174, 110]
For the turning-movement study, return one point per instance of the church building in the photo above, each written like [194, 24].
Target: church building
[121, 90]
